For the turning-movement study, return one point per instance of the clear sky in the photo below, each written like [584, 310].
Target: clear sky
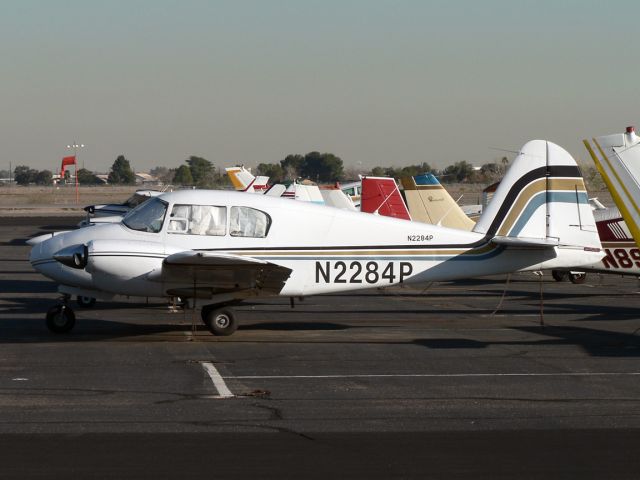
[375, 82]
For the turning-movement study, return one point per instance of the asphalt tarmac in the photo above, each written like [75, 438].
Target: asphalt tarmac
[404, 383]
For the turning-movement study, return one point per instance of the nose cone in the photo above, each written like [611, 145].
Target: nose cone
[63, 263]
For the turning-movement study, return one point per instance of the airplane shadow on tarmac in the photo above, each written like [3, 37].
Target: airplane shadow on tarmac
[597, 343]
[15, 327]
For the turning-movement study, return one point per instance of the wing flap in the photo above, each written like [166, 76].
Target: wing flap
[221, 272]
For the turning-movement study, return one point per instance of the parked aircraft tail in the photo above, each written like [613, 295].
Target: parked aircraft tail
[243, 180]
[381, 196]
[429, 202]
[617, 158]
[542, 201]
[304, 193]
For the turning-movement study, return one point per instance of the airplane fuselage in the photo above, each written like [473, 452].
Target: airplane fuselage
[327, 249]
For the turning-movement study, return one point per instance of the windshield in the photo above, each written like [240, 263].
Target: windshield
[147, 217]
[136, 199]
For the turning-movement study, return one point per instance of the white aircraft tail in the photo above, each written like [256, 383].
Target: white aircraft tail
[338, 199]
[276, 190]
[244, 181]
[304, 193]
[542, 201]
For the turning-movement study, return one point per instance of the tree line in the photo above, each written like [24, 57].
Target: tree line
[315, 166]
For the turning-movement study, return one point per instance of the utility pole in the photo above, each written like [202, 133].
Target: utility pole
[75, 146]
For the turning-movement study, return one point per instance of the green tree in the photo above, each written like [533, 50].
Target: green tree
[86, 177]
[121, 172]
[291, 166]
[274, 171]
[183, 176]
[202, 171]
[24, 175]
[377, 172]
[43, 177]
[592, 178]
[322, 167]
[414, 170]
[458, 172]
[164, 174]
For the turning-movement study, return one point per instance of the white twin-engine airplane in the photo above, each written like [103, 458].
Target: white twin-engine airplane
[229, 246]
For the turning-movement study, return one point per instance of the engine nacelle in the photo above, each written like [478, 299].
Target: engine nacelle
[123, 267]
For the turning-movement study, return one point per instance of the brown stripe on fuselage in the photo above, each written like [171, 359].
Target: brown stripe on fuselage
[367, 253]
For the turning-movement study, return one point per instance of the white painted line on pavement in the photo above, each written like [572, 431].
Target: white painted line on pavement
[218, 382]
[437, 375]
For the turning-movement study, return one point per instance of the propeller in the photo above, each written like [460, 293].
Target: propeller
[75, 256]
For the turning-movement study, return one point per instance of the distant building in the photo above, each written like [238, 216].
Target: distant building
[143, 178]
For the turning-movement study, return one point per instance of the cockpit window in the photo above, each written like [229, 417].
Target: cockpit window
[198, 220]
[249, 222]
[147, 217]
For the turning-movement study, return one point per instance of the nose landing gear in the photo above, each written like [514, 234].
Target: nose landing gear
[60, 318]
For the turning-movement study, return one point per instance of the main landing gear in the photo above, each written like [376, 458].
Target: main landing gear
[85, 302]
[574, 277]
[219, 319]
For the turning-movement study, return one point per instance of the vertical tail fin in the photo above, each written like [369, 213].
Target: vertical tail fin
[380, 195]
[244, 181]
[542, 198]
[429, 202]
[617, 158]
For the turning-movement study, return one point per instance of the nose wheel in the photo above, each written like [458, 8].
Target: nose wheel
[60, 318]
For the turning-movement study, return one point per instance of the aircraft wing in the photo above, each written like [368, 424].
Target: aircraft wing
[214, 272]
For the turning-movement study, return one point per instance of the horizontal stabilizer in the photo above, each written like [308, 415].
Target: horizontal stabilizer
[524, 242]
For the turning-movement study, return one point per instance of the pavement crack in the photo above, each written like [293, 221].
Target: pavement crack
[276, 413]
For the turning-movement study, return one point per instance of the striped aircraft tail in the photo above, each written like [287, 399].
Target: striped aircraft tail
[244, 181]
[542, 200]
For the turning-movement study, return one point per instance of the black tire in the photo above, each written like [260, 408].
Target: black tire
[60, 319]
[205, 313]
[85, 302]
[220, 321]
[578, 278]
[558, 275]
